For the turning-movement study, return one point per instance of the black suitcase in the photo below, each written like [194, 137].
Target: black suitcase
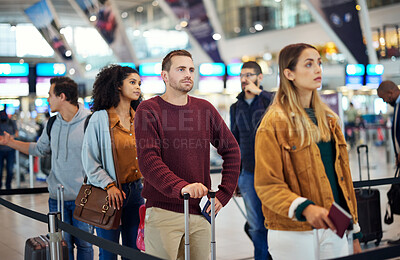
[369, 208]
[38, 248]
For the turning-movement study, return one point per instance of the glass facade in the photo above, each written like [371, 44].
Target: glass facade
[151, 32]
[244, 17]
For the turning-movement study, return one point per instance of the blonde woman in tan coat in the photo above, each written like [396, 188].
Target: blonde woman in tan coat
[302, 165]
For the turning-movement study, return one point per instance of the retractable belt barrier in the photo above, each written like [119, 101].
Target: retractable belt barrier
[130, 253]
[24, 191]
[110, 246]
[377, 182]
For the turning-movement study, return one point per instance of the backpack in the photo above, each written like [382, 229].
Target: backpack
[53, 118]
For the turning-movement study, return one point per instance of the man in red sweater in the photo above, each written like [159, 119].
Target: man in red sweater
[173, 136]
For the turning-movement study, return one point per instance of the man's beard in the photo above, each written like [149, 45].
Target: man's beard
[392, 103]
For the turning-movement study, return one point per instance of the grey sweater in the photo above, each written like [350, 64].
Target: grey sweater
[65, 147]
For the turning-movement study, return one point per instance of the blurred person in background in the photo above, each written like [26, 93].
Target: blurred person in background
[390, 93]
[246, 114]
[7, 154]
[350, 124]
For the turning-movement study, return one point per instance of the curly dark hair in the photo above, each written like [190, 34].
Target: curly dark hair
[106, 87]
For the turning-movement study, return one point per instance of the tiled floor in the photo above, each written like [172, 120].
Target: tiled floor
[232, 242]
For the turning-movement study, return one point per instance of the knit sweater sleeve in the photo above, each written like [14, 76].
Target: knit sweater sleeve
[148, 144]
[225, 143]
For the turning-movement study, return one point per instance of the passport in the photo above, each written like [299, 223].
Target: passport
[204, 203]
[340, 218]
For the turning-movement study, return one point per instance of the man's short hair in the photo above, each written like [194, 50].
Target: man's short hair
[252, 65]
[166, 63]
[68, 87]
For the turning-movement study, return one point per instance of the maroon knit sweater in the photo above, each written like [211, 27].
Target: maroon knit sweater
[173, 145]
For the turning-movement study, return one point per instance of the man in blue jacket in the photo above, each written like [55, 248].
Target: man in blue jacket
[245, 115]
[64, 142]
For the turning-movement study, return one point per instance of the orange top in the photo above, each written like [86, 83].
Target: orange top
[125, 144]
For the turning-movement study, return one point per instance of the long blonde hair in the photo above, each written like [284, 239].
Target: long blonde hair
[288, 98]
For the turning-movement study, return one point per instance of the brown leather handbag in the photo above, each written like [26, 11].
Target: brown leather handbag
[92, 205]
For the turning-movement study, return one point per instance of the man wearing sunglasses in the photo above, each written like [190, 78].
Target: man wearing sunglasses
[245, 115]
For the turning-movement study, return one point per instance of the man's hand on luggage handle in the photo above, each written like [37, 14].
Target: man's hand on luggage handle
[196, 190]
[318, 217]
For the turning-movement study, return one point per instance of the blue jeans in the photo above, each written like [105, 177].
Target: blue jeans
[9, 156]
[255, 217]
[129, 220]
[84, 249]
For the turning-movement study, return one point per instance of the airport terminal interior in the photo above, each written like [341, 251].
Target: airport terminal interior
[358, 40]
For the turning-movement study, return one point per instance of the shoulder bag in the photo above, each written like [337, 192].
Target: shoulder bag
[393, 206]
[92, 205]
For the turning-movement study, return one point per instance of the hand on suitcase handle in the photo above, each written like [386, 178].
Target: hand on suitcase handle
[218, 204]
[196, 190]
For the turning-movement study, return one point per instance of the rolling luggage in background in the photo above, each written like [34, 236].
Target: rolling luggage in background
[38, 248]
[186, 197]
[369, 208]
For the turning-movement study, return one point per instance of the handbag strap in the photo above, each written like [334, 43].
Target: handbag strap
[396, 175]
[114, 153]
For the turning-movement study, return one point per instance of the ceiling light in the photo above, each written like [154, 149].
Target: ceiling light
[183, 23]
[88, 67]
[258, 27]
[139, 9]
[216, 36]
[68, 53]
[93, 18]
[72, 71]
[154, 3]
[124, 15]
[136, 33]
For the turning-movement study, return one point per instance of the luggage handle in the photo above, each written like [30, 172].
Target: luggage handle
[359, 162]
[60, 203]
[186, 197]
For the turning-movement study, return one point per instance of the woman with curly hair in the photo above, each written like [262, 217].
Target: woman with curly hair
[116, 94]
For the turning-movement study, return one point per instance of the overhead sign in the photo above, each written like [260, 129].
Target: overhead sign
[211, 77]
[152, 82]
[51, 69]
[14, 69]
[355, 70]
[212, 69]
[234, 69]
[375, 69]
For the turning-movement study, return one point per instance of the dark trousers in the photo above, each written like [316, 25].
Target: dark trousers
[129, 220]
[9, 156]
